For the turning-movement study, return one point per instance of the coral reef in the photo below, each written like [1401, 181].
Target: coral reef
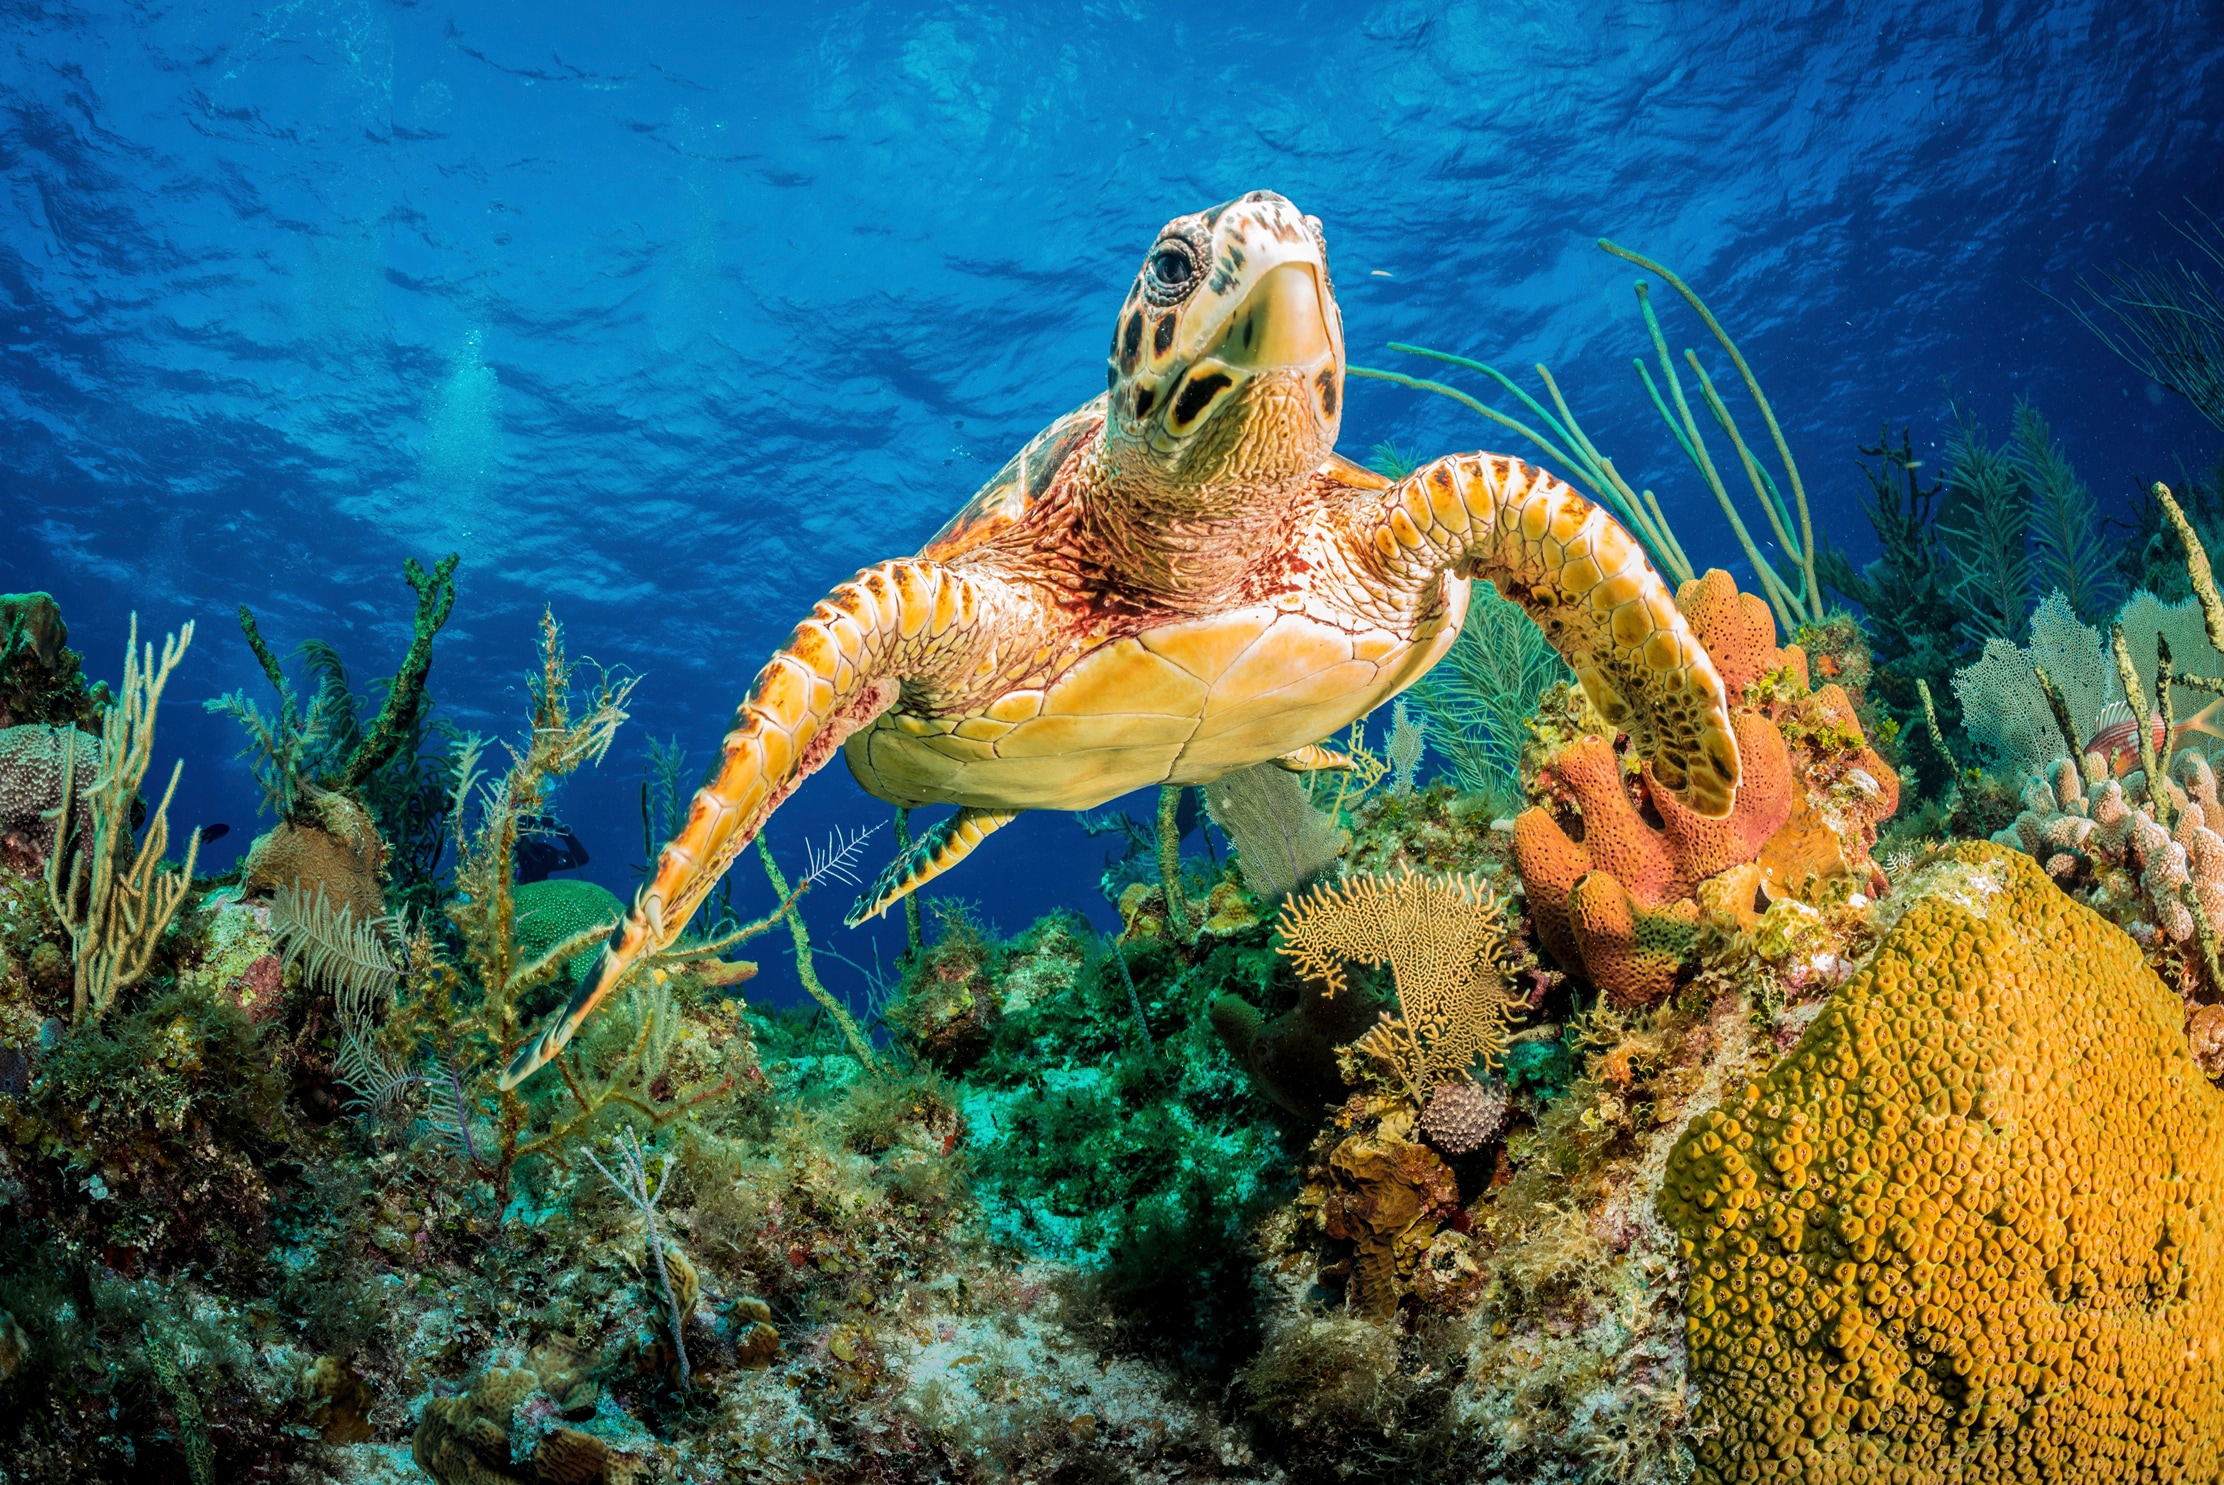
[32, 758]
[41, 677]
[1620, 898]
[1963, 1230]
[1403, 1141]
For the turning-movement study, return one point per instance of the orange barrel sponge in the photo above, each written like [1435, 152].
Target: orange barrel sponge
[1615, 898]
[1972, 1227]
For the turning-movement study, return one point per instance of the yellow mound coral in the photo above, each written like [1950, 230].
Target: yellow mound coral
[1972, 1227]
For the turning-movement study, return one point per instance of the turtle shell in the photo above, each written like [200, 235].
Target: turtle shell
[1001, 502]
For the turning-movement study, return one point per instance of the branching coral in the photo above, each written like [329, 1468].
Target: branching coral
[1966, 1229]
[326, 745]
[1441, 937]
[1621, 898]
[116, 899]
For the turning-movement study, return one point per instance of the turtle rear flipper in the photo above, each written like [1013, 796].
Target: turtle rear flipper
[934, 853]
[843, 667]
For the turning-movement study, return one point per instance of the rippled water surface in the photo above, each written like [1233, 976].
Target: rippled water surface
[672, 316]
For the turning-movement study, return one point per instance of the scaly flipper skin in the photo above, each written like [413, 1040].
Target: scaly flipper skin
[842, 668]
[934, 853]
[1313, 758]
[1590, 588]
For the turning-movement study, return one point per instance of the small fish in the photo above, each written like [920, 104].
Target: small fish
[2116, 735]
[214, 832]
[545, 846]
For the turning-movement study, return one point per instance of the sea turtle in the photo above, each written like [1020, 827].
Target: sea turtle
[1176, 580]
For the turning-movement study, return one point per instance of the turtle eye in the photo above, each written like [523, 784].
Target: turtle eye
[1170, 274]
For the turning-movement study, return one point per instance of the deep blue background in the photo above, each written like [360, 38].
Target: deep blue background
[672, 316]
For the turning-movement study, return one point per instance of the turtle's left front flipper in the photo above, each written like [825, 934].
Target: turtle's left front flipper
[934, 853]
[1589, 586]
[910, 620]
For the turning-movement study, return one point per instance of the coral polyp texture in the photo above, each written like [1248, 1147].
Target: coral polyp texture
[31, 762]
[1620, 898]
[1969, 1228]
[332, 850]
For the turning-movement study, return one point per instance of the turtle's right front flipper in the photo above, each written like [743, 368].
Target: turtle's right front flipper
[1588, 584]
[842, 668]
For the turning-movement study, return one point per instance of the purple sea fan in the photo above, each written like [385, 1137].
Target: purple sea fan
[1463, 1117]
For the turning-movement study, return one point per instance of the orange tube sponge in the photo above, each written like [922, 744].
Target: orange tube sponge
[1812, 796]
[1971, 1228]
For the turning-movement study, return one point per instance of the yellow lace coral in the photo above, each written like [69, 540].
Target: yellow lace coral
[1972, 1227]
[1441, 937]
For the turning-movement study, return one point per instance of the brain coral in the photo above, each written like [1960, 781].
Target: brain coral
[1972, 1227]
[548, 912]
[333, 848]
[31, 787]
[1618, 897]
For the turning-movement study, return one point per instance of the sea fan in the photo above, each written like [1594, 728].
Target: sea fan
[1282, 843]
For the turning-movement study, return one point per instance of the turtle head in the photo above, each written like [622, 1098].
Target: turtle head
[1227, 362]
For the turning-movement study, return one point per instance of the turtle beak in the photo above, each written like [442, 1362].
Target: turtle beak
[1281, 326]
[1281, 322]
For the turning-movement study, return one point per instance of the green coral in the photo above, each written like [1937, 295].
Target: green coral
[551, 911]
[41, 677]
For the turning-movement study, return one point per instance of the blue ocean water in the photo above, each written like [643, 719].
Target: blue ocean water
[672, 316]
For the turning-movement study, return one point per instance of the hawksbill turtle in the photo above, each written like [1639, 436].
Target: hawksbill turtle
[1176, 580]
